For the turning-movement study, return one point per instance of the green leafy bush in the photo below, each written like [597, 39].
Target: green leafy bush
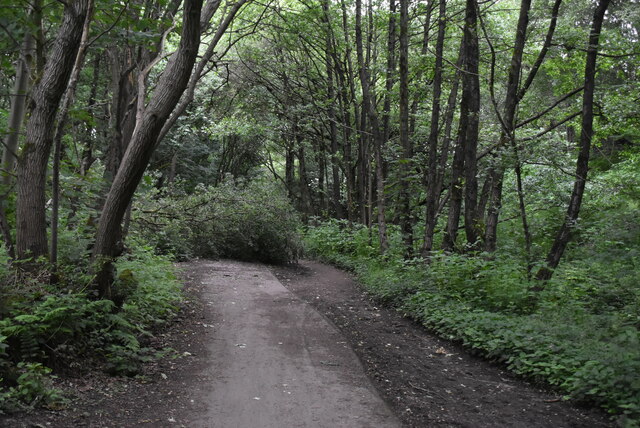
[246, 221]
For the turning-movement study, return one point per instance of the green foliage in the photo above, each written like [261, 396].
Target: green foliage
[579, 335]
[44, 324]
[253, 221]
[33, 387]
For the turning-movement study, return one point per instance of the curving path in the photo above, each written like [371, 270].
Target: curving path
[274, 361]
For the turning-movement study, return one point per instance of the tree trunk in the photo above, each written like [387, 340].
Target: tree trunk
[471, 96]
[432, 169]
[122, 120]
[455, 192]
[582, 164]
[289, 167]
[31, 229]
[368, 106]
[417, 77]
[18, 106]
[464, 160]
[333, 129]
[57, 136]
[168, 91]
[207, 13]
[406, 226]
[16, 117]
[512, 99]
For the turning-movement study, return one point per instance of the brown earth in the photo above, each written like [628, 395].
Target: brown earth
[428, 382]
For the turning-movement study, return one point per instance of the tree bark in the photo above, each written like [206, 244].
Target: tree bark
[432, 168]
[582, 164]
[170, 87]
[59, 131]
[16, 117]
[18, 106]
[368, 106]
[471, 96]
[198, 72]
[464, 160]
[333, 130]
[31, 229]
[406, 226]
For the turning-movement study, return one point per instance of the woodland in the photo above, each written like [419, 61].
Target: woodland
[476, 163]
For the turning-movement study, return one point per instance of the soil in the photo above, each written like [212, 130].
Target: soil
[426, 381]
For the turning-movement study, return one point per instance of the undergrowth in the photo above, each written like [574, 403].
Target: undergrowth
[578, 335]
[47, 326]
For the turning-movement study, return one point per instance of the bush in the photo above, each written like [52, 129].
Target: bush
[252, 221]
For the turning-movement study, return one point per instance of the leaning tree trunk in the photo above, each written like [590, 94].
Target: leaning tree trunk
[582, 164]
[31, 228]
[168, 91]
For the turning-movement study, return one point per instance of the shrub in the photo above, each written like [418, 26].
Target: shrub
[246, 221]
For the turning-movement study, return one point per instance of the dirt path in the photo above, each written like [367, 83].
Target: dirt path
[276, 362]
[428, 381]
[250, 353]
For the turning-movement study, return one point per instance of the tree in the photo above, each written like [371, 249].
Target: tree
[165, 97]
[31, 234]
[582, 164]
[405, 142]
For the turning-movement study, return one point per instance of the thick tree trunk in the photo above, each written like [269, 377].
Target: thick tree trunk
[464, 160]
[471, 96]
[31, 229]
[168, 91]
[582, 164]
[207, 13]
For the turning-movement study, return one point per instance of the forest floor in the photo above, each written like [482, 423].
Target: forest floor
[241, 333]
